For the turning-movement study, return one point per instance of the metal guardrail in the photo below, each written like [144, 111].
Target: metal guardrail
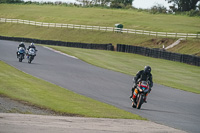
[111, 29]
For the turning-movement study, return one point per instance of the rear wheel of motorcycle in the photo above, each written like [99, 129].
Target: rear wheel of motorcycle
[139, 102]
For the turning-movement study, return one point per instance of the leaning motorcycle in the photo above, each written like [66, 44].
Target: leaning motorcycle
[20, 54]
[142, 89]
[31, 54]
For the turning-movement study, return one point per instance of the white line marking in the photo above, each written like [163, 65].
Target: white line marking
[60, 52]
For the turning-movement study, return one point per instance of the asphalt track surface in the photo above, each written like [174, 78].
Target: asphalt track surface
[167, 106]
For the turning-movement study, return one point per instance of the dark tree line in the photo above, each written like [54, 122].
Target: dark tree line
[11, 1]
[183, 5]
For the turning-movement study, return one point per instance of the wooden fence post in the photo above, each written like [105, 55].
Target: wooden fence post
[186, 36]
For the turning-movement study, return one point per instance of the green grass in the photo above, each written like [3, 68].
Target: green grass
[168, 73]
[20, 86]
[193, 47]
[190, 46]
[70, 35]
[102, 17]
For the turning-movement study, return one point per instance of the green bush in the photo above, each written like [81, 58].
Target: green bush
[158, 9]
[192, 13]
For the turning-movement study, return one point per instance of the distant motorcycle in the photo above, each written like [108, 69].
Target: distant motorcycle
[142, 89]
[21, 53]
[31, 54]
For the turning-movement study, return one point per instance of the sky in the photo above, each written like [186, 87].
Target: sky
[136, 3]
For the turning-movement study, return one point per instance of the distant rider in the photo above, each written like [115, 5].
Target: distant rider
[143, 75]
[20, 45]
[31, 46]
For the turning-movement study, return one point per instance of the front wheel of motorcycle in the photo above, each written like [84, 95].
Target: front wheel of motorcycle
[20, 58]
[29, 60]
[139, 102]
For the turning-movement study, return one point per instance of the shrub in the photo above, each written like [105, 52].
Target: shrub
[158, 9]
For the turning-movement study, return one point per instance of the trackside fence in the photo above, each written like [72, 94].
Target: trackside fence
[156, 53]
[162, 54]
[100, 28]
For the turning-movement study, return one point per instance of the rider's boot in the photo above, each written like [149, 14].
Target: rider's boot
[132, 91]
[145, 99]
[17, 55]
[134, 102]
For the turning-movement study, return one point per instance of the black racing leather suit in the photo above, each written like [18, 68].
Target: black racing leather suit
[22, 45]
[142, 76]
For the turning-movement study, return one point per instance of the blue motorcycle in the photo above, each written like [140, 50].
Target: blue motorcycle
[21, 53]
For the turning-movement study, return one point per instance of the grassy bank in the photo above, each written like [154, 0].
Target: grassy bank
[131, 19]
[102, 17]
[21, 86]
[190, 46]
[168, 73]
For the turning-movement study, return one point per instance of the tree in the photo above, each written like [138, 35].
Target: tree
[94, 2]
[158, 9]
[11, 1]
[121, 3]
[183, 5]
[101, 2]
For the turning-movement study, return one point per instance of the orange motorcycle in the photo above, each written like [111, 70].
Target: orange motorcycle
[141, 92]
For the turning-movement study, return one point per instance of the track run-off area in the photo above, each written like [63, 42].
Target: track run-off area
[167, 106]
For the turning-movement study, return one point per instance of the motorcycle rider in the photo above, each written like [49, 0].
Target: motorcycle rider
[20, 45]
[143, 75]
[31, 46]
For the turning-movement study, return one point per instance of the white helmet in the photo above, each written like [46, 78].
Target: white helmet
[21, 43]
[32, 44]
